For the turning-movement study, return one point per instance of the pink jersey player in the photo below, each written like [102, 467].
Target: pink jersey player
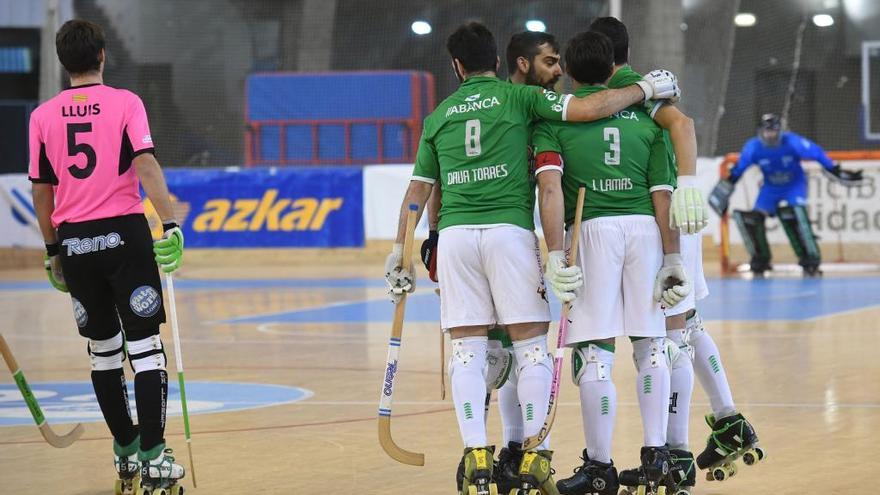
[83, 142]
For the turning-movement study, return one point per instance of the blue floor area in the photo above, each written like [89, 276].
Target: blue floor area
[730, 299]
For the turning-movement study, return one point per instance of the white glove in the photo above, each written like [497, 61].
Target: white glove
[689, 212]
[671, 284]
[563, 279]
[400, 280]
[660, 85]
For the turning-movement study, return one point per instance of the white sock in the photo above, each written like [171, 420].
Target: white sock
[710, 371]
[681, 388]
[508, 405]
[535, 370]
[652, 388]
[469, 388]
[598, 400]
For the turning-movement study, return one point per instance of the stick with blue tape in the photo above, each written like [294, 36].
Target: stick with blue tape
[391, 364]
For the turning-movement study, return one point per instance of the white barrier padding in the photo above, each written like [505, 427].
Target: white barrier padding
[18, 222]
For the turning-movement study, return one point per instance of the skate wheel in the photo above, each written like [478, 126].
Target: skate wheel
[750, 458]
[118, 488]
[534, 491]
[176, 490]
[493, 489]
[472, 490]
[641, 490]
[682, 491]
[761, 453]
[733, 469]
[661, 490]
[719, 474]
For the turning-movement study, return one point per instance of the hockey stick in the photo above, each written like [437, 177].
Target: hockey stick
[442, 358]
[175, 336]
[59, 442]
[559, 355]
[385, 399]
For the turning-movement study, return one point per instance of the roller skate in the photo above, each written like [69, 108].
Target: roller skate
[507, 469]
[476, 476]
[682, 475]
[127, 467]
[652, 477]
[535, 474]
[593, 478]
[159, 476]
[732, 437]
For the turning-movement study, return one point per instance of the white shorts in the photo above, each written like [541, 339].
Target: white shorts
[620, 257]
[692, 256]
[490, 275]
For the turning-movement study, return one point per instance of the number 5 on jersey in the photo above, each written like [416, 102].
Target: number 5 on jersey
[74, 148]
[472, 137]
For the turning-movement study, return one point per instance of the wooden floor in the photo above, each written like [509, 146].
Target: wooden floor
[810, 386]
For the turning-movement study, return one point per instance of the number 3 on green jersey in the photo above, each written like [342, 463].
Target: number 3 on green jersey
[612, 137]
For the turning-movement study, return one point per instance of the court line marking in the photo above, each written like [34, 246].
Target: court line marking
[242, 430]
[794, 405]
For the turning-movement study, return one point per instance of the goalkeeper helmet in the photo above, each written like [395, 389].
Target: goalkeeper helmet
[770, 129]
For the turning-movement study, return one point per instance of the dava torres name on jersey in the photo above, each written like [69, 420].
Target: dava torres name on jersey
[471, 104]
[476, 174]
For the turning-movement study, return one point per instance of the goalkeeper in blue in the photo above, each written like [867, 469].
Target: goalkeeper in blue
[783, 193]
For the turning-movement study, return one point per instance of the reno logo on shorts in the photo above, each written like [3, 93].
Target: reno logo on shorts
[79, 312]
[145, 301]
[75, 245]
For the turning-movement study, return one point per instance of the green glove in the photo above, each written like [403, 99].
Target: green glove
[169, 249]
[52, 263]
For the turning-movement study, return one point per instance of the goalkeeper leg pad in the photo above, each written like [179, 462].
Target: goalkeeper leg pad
[753, 231]
[800, 234]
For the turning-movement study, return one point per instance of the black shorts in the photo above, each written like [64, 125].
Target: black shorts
[110, 271]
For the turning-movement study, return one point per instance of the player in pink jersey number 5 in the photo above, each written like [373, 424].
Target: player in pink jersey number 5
[90, 149]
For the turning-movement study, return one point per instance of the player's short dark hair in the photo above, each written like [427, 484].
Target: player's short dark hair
[589, 58]
[474, 46]
[616, 31]
[78, 44]
[527, 44]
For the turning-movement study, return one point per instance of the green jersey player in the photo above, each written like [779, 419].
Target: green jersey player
[624, 162]
[683, 324]
[474, 145]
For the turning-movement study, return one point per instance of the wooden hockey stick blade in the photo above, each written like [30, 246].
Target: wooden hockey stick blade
[63, 441]
[391, 448]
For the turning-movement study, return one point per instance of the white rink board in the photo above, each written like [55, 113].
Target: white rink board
[18, 223]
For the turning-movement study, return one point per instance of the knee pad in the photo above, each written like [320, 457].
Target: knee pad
[694, 329]
[107, 354]
[532, 352]
[680, 351]
[147, 354]
[591, 363]
[467, 353]
[499, 361]
[652, 352]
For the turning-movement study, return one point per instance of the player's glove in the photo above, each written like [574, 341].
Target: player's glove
[52, 263]
[844, 177]
[429, 254]
[689, 213]
[719, 198]
[400, 279]
[169, 249]
[563, 279]
[660, 85]
[671, 284]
